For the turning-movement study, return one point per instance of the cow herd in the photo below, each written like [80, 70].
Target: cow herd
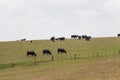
[46, 52]
[87, 38]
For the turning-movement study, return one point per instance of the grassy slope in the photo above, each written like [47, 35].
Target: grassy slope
[101, 68]
[16, 51]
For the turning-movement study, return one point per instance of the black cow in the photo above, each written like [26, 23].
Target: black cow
[79, 37]
[87, 38]
[52, 39]
[46, 51]
[118, 35]
[23, 39]
[61, 50]
[31, 53]
[74, 36]
[84, 36]
[61, 38]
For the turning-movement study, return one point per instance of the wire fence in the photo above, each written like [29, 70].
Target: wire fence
[47, 58]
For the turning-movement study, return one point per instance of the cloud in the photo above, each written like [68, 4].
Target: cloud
[59, 17]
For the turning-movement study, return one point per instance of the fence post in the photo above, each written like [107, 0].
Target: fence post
[97, 54]
[52, 58]
[75, 56]
[13, 65]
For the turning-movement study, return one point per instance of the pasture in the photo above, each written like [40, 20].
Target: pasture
[97, 59]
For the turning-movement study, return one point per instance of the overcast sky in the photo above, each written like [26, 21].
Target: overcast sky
[42, 19]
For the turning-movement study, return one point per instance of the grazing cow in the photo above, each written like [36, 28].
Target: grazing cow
[74, 36]
[23, 39]
[46, 51]
[61, 50]
[79, 37]
[84, 36]
[31, 53]
[61, 38]
[87, 38]
[52, 39]
[118, 35]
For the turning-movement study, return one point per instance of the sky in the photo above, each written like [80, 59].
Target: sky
[42, 19]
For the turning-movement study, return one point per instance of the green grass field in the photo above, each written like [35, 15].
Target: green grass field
[97, 59]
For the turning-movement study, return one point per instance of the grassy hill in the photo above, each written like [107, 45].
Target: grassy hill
[87, 66]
